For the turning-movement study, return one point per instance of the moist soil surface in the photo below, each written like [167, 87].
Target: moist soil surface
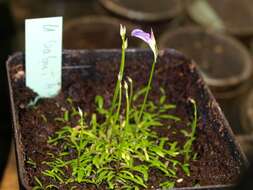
[215, 163]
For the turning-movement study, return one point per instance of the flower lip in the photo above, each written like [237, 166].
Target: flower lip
[149, 38]
[146, 37]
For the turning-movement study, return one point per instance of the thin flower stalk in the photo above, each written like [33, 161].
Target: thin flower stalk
[127, 103]
[122, 66]
[149, 38]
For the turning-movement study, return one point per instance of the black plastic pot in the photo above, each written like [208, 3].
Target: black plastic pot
[224, 62]
[95, 32]
[234, 17]
[145, 10]
[210, 114]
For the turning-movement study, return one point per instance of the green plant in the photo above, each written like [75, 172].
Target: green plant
[116, 147]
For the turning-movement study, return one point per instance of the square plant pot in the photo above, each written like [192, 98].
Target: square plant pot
[87, 73]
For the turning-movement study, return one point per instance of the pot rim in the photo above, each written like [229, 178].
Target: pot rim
[247, 121]
[229, 40]
[96, 19]
[245, 31]
[141, 16]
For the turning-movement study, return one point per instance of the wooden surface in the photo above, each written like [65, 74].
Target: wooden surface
[10, 178]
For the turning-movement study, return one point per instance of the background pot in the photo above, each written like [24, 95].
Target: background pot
[247, 114]
[234, 17]
[145, 10]
[95, 32]
[157, 15]
[224, 63]
[209, 111]
[23, 9]
[246, 141]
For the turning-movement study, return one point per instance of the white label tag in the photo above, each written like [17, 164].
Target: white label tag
[43, 57]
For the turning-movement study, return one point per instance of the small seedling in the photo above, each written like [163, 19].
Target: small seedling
[31, 162]
[33, 103]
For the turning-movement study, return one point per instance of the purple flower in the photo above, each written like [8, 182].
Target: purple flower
[149, 38]
[146, 37]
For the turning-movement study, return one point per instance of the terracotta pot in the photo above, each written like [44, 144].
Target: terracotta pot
[225, 65]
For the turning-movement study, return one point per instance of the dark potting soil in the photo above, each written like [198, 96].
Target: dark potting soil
[215, 164]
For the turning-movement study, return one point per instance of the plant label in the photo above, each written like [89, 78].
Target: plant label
[43, 55]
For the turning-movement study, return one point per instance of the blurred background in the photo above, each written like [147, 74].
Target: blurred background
[216, 34]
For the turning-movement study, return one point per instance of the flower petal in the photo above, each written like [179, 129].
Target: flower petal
[142, 35]
[149, 38]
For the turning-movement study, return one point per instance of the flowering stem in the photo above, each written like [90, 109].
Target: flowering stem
[131, 92]
[149, 38]
[117, 89]
[119, 104]
[120, 76]
[148, 89]
[127, 105]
